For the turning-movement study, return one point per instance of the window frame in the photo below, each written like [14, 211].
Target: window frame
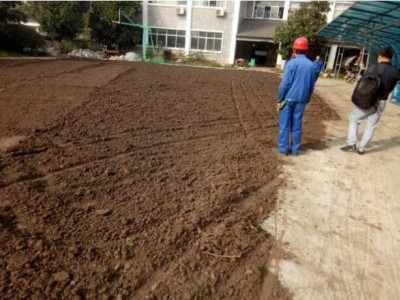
[170, 3]
[167, 36]
[206, 40]
[209, 4]
[259, 10]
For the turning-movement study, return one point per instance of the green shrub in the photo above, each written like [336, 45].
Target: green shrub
[158, 52]
[85, 44]
[95, 46]
[65, 46]
[80, 43]
[198, 58]
[22, 39]
[3, 53]
[149, 53]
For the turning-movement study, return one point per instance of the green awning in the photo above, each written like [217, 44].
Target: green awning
[368, 24]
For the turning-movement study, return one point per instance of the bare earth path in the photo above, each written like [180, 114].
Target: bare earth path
[338, 218]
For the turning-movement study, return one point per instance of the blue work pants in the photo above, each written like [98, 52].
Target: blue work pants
[290, 122]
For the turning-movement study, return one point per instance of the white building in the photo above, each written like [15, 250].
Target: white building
[225, 30]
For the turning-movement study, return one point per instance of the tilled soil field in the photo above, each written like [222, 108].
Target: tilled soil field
[138, 181]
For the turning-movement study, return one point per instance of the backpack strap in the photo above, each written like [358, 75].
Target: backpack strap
[376, 71]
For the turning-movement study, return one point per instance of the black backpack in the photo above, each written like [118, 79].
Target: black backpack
[365, 94]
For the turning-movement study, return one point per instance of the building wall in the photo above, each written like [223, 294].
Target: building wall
[200, 19]
[165, 17]
[205, 19]
[242, 10]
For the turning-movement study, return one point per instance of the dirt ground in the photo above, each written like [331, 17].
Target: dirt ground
[338, 214]
[133, 181]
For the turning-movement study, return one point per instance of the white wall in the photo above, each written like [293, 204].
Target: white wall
[196, 18]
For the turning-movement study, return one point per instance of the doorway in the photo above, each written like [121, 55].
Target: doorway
[264, 53]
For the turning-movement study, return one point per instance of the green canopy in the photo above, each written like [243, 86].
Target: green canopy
[368, 24]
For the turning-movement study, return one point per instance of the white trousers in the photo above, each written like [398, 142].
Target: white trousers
[372, 116]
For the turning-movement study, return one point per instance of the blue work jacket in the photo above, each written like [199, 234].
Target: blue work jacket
[318, 65]
[298, 80]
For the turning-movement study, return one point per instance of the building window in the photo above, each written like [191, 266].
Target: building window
[295, 6]
[265, 9]
[168, 2]
[169, 38]
[209, 3]
[206, 41]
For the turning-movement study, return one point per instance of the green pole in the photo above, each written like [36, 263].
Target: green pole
[145, 34]
[144, 42]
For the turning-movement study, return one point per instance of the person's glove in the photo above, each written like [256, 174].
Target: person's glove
[280, 105]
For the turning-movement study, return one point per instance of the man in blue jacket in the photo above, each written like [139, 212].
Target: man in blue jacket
[294, 93]
[318, 65]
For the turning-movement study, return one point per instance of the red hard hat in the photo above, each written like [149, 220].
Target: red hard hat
[300, 44]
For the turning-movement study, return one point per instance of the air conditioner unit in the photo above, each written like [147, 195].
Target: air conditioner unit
[180, 11]
[220, 12]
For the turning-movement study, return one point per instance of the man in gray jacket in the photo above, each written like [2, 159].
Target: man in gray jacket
[389, 76]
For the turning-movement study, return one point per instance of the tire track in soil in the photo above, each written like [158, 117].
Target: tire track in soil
[117, 156]
[127, 133]
[16, 64]
[267, 278]
[80, 69]
[126, 154]
[260, 100]
[76, 70]
[237, 108]
[92, 95]
[244, 95]
[255, 114]
[255, 111]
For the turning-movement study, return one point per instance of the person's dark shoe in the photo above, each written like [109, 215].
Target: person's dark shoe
[349, 148]
[360, 152]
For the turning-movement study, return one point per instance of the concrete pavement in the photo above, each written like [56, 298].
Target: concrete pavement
[338, 218]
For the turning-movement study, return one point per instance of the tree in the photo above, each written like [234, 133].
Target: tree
[16, 37]
[62, 20]
[22, 39]
[102, 30]
[9, 12]
[306, 21]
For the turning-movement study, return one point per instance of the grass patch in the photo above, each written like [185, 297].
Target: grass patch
[198, 58]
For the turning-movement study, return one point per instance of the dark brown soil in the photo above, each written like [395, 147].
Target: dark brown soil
[136, 181]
